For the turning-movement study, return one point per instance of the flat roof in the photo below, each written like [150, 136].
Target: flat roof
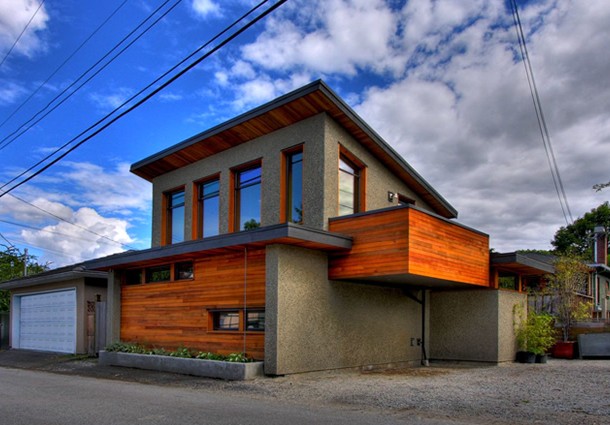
[305, 102]
[74, 271]
[524, 263]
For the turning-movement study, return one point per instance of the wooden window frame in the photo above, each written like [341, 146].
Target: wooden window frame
[360, 202]
[233, 204]
[166, 237]
[197, 207]
[284, 184]
[172, 273]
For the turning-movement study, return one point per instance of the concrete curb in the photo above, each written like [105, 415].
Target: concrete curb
[230, 371]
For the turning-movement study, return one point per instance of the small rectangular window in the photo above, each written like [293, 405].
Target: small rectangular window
[158, 274]
[183, 270]
[508, 281]
[226, 320]
[255, 320]
[133, 277]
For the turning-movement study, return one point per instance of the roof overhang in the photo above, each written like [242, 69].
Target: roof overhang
[286, 234]
[520, 263]
[310, 100]
[54, 276]
[600, 268]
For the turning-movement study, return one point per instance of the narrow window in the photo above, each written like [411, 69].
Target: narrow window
[133, 277]
[349, 183]
[247, 198]
[508, 281]
[209, 208]
[158, 274]
[294, 187]
[225, 320]
[183, 270]
[255, 320]
[175, 217]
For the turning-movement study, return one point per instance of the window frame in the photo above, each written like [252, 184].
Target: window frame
[235, 193]
[359, 174]
[168, 214]
[286, 183]
[143, 274]
[199, 209]
[213, 314]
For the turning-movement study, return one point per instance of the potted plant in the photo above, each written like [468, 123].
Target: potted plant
[570, 277]
[535, 335]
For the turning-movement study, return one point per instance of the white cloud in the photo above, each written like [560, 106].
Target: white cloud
[107, 101]
[10, 92]
[14, 16]
[205, 8]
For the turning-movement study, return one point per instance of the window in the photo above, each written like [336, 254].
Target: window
[247, 198]
[158, 274]
[209, 208]
[226, 320]
[293, 186]
[174, 217]
[133, 277]
[183, 271]
[255, 320]
[508, 281]
[349, 186]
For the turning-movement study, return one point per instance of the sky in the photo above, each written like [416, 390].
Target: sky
[441, 81]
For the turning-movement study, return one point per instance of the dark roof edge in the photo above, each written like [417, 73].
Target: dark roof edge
[50, 277]
[268, 233]
[516, 257]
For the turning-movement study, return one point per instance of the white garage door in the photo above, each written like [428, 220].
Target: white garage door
[47, 321]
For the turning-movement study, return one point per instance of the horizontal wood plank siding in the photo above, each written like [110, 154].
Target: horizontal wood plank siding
[175, 314]
[443, 250]
[379, 247]
[407, 241]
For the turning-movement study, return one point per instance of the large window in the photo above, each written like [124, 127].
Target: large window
[349, 186]
[247, 198]
[175, 217]
[209, 208]
[293, 186]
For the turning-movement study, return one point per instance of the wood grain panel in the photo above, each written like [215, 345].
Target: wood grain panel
[175, 314]
[407, 241]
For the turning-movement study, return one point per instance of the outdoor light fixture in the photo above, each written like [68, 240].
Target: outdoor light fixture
[391, 196]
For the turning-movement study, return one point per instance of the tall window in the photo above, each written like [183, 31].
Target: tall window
[294, 186]
[247, 198]
[175, 217]
[349, 184]
[209, 208]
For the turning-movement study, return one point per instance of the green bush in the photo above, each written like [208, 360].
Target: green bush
[536, 334]
[183, 352]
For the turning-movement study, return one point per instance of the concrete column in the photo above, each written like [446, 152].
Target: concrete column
[113, 313]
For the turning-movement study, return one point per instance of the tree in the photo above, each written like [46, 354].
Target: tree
[598, 187]
[575, 239]
[12, 263]
[570, 278]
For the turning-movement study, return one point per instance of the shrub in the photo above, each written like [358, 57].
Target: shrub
[183, 352]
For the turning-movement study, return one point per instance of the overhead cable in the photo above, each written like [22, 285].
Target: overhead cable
[22, 32]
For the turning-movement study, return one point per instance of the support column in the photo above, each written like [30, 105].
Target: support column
[113, 313]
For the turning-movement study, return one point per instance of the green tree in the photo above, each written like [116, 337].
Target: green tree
[575, 239]
[12, 267]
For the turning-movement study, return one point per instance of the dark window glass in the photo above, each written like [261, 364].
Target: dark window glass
[294, 186]
[209, 208]
[133, 277]
[158, 274]
[248, 199]
[184, 270]
[255, 320]
[508, 281]
[226, 320]
[348, 187]
[175, 217]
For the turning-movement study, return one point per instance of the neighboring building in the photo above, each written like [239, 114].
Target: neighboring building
[56, 310]
[600, 276]
[294, 233]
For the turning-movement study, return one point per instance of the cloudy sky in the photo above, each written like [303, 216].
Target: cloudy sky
[440, 80]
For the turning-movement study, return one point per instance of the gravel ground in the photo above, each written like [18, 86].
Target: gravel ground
[559, 392]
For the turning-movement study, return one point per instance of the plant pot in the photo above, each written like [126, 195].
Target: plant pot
[526, 357]
[564, 349]
[541, 358]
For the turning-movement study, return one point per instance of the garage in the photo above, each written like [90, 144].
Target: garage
[47, 321]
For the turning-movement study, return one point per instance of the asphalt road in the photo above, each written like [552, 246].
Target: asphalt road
[36, 398]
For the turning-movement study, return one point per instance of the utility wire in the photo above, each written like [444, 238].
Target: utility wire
[62, 64]
[544, 131]
[22, 32]
[16, 133]
[8, 242]
[150, 95]
[69, 222]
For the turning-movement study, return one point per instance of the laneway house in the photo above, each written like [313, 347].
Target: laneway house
[295, 234]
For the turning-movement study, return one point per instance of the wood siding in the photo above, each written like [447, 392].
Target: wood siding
[176, 314]
[410, 242]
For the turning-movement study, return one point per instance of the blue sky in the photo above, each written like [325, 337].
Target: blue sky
[437, 79]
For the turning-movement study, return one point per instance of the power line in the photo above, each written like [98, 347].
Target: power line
[544, 131]
[22, 32]
[151, 94]
[16, 133]
[63, 64]
[8, 242]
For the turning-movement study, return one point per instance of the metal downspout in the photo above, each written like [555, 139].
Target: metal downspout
[424, 360]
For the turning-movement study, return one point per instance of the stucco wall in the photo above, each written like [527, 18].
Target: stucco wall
[473, 325]
[316, 324]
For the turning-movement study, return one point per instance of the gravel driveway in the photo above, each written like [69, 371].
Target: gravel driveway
[559, 392]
